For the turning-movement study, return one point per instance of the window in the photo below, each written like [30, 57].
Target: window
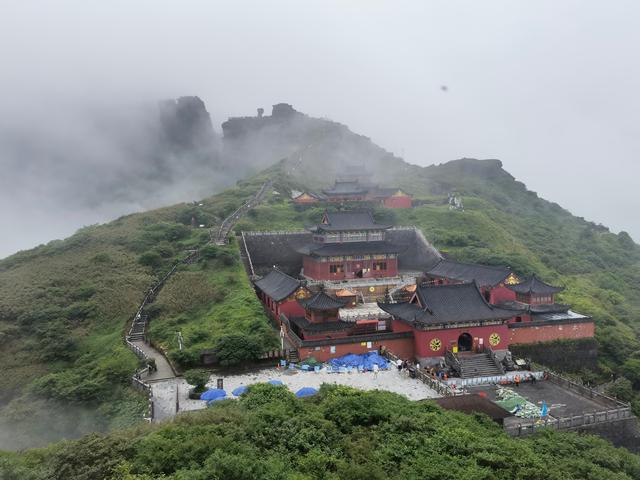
[379, 265]
[354, 236]
[376, 236]
[336, 268]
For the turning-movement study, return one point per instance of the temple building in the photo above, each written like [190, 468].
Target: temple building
[350, 189]
[349, 245]
[453, 317]
[493, 281]
[351, 285]
[538, 318]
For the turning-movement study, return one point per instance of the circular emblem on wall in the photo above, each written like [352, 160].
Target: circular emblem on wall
[372, 289]
[494, 339]
[435, 344]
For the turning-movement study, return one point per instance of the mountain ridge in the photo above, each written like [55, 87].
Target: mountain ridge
[64, 306]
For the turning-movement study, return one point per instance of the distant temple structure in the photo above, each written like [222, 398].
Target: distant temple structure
[350, 189]
[351, 285]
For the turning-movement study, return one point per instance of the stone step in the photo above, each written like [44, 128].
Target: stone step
[135, 337]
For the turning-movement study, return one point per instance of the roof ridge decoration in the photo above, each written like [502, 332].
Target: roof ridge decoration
[534, 285]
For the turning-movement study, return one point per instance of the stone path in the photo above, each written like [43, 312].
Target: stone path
[163, 371]
[163, 394]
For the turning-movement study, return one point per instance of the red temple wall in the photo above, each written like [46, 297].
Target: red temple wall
[501, 294]
[291, 308]
[547, 333]
[402, 347]
[449, 337]
[320, 270]
[397, 202]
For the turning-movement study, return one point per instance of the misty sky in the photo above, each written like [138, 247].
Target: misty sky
[548, 87]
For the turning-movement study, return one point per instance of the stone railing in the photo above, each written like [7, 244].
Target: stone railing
[572, 422]
[432, 382]
[494, 358]
[584, 391]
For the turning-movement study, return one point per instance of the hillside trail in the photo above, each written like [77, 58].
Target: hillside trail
[136, 338]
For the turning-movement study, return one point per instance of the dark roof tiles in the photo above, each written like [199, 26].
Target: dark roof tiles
[349, 248]
[350, 220]
[535, 286]
[445, 304]
[321, 301]
[277, 285]
[312, 327]
[484, 275]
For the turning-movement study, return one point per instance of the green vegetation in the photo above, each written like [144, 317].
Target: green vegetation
[65, 306]
[339, 434]
[212, 305]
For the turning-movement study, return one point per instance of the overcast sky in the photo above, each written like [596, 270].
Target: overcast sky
[549, 87]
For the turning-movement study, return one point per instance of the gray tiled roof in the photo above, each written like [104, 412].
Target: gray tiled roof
[349, 248]
[535, 286]
[321, 301]
[484, 275]
[282, 250]
[444, 304]
[350, 220]
[346, 188]
[277, 285]
[312, 327]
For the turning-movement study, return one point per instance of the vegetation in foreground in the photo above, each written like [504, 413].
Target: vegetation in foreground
[339, 434]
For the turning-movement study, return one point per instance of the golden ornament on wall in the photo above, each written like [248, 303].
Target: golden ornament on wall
[494, 339]
[435, 344]
[372, 289]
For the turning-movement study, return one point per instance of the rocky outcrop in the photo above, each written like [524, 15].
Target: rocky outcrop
[186, 125]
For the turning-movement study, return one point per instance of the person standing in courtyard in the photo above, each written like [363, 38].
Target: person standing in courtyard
[375, 370]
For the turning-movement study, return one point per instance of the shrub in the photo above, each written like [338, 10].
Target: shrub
[197, 377]
[235, 349]
[150, 259]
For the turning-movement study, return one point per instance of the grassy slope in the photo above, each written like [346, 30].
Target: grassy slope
[341, 433]
[64, 307]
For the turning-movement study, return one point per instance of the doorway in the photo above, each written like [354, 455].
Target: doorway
[465, 342]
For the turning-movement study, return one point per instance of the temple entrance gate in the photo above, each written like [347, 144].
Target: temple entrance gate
[465, 342]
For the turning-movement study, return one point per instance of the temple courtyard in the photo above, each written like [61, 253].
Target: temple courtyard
[167, 393]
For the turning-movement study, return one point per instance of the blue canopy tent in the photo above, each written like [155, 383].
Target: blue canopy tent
[306, 392]
[213, 394]
[241, 390]
[275, 382]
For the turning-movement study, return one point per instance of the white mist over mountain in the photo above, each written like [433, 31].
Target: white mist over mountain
[547, 87]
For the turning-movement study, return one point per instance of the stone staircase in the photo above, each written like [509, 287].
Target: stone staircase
[138, 328]
[293, 356]
[478, 365]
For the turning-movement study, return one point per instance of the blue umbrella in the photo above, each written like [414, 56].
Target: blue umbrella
[275, 382]
[241, 390]
[306, 392]
[213, 394]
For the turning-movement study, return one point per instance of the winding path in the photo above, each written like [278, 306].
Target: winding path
[161, 404]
